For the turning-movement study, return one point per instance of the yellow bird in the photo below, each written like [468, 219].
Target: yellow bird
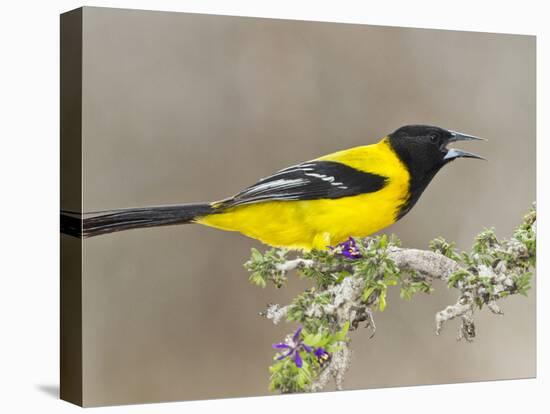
[312, 205]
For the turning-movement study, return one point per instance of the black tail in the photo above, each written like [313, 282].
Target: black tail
[103, 222]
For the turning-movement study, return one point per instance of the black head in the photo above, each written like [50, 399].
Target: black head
[423, 149]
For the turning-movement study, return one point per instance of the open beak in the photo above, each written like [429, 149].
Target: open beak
[453, 153]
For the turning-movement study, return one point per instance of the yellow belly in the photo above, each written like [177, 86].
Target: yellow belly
[311, 223]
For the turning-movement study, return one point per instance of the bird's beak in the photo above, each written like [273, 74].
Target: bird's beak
[453, 153]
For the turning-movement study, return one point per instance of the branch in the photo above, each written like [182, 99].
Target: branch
[428, 264]
[351, 282]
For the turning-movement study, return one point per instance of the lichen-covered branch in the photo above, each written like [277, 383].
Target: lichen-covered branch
[351, 282]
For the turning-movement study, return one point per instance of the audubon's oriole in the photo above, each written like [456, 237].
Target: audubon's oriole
[315, 204]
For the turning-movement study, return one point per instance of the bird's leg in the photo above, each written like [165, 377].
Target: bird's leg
[321, 241]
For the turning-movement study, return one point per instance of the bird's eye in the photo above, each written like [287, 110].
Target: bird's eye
[434, 138]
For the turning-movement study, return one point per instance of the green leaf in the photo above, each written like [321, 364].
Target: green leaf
[458, 276]
[342, 333]
[257, 279]
[313, 340]
[382, 301]
[367, 292]
[256, 255]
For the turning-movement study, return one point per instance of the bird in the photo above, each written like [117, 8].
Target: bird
[312, 205]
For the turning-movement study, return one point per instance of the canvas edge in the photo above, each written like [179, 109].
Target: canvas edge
[70, 370]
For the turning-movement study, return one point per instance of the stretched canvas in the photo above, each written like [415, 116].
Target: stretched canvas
[169, 109]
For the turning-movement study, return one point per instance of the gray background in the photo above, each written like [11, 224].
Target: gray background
[185, 108]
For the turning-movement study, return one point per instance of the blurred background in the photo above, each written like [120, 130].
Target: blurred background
[186, 108]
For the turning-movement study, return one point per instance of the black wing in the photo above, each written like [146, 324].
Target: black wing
[310, 181]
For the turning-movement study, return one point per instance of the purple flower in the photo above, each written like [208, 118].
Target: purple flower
[293, 347]
[322, 356]
[348, 249]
